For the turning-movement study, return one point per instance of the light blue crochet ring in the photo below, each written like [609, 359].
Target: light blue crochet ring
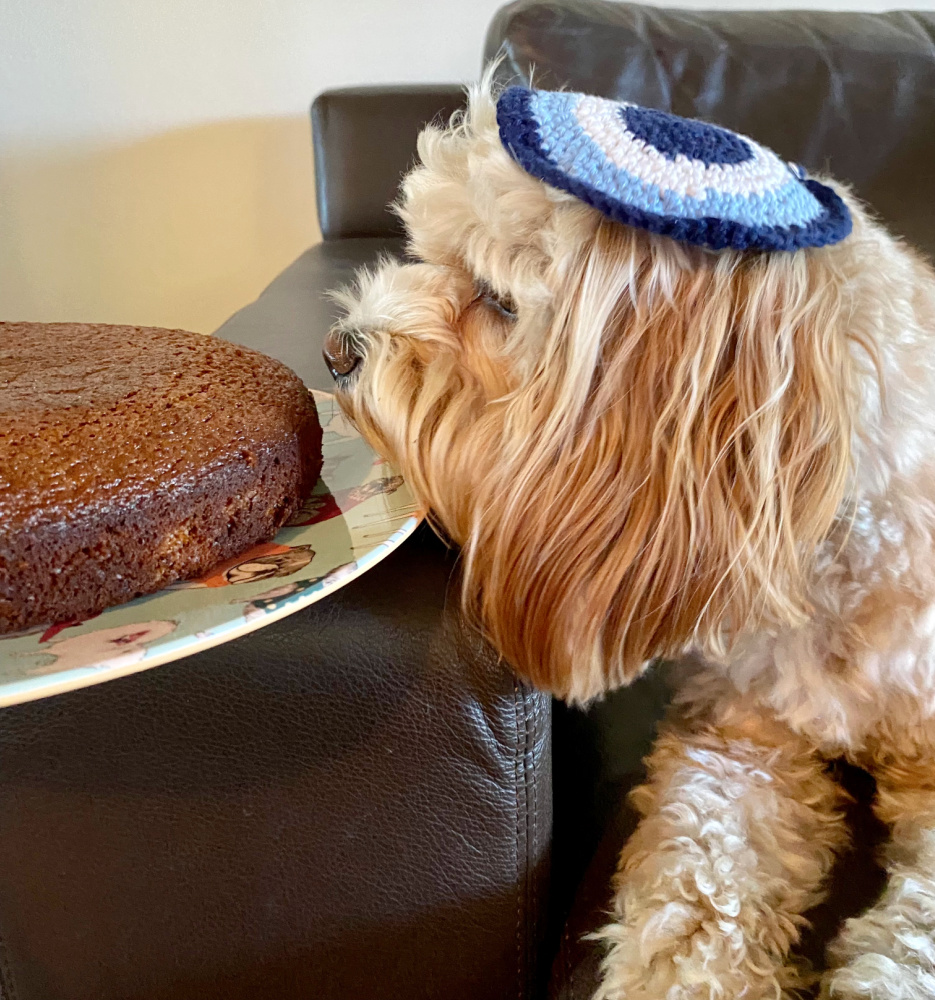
[674, 176]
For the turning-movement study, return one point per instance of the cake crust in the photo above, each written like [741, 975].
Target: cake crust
[131, 457]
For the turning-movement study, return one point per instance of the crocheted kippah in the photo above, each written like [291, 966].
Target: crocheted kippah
[674, 176]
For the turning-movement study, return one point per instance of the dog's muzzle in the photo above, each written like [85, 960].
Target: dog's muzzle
[339, 356]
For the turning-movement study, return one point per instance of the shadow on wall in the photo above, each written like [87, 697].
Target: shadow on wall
[179, 230]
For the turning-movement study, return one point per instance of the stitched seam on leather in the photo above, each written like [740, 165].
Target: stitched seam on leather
[566, 952]
[518, 750]
[562, 963]
[529, 829]
[532, 846]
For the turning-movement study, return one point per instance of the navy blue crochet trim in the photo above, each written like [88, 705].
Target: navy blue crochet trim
[520, 135]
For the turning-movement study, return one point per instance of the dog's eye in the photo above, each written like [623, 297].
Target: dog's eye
[502, 303]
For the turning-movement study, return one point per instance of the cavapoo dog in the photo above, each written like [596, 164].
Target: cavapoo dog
[675, 399]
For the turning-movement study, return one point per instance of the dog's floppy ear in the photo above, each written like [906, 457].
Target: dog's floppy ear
[669, 468]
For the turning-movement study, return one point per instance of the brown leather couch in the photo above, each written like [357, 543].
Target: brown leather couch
[357, 801]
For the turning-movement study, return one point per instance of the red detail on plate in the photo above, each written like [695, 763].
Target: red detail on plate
[53, 630]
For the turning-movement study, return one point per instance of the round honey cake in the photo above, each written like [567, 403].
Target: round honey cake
[131, 457]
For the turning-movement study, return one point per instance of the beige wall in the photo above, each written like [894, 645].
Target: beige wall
[155, 161]
[155, 156]
[179, 228]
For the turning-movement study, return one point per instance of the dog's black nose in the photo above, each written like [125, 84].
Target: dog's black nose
[339, 356]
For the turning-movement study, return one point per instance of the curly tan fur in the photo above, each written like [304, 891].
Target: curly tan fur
[666, 452]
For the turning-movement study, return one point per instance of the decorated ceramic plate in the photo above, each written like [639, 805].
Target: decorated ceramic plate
[358, 513]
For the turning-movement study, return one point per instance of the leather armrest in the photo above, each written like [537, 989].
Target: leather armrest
[365, 140]
[353, 802]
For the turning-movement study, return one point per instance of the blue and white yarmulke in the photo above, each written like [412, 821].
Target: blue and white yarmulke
[674, 176]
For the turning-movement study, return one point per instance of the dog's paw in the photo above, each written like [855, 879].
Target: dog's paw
[876, 977]
[887, 953]
[680, 955]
